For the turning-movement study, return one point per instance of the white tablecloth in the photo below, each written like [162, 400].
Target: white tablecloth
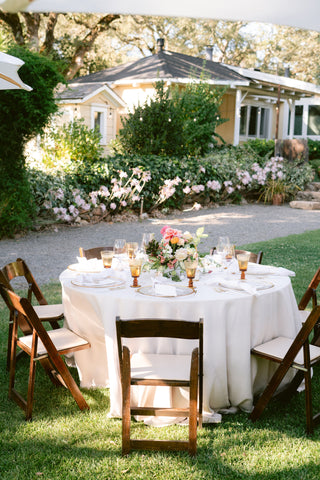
[234, 321]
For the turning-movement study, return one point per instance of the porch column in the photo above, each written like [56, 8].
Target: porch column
[292, 104]
[236, 132]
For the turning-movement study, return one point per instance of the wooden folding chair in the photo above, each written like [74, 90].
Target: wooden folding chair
[51, 313]
[93, 252]
[296, 353]
[161, 370]
[310, 295]
[41, 344]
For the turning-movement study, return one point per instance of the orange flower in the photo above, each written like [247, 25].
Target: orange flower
[174, 240]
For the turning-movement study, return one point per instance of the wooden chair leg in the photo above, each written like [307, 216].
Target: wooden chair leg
[126, 415]
[9, 344]
[13, 358]
[308, 399]
[193, 395]
[30, 395]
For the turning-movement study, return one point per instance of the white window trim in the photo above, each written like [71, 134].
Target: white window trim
[103, 110]
[249, 137]
[305, 104]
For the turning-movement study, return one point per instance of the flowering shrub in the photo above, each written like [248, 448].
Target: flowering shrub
[168, 255]
[116, 184]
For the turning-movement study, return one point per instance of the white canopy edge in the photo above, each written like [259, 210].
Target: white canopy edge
[9, 78]
[305, 15]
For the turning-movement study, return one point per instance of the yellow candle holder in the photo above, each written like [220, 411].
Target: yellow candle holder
[191, 269]
[135, 265]
[243, 260]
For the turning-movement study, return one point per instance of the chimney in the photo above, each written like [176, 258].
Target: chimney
[287, 72]
[209, 52]
[160, 44]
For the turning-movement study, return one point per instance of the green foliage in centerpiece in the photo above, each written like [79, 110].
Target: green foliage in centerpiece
[168, 255]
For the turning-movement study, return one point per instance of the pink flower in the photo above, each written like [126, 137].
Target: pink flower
[113, 206]
[163, 229]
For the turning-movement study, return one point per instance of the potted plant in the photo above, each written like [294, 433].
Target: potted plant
[275, 191]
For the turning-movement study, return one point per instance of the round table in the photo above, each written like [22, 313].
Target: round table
[234, 321]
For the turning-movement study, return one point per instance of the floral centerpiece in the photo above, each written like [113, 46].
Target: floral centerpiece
[168, 255]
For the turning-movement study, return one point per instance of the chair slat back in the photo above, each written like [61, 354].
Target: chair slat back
[93, 252]
[310, 293]
[159, 328]
[253, 257]
[19, 268]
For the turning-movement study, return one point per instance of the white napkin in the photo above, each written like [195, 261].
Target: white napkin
[92, 265]
[94, 279]
[239, 285]
[257, 269]
[165, 290]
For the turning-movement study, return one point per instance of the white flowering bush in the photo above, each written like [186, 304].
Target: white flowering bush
[117, 184]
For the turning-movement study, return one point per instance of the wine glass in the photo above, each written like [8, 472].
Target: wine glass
[132, 249]
[191, 268]
[146, 239]
[222, 245]
[119, 246]
[229, 253]
[135, 265]
[243, 259]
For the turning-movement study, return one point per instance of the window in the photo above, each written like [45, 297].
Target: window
[306, 119]
[99, 122]
[254, 121]
[313, 120]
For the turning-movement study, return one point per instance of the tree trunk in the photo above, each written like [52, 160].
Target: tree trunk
[86, 44]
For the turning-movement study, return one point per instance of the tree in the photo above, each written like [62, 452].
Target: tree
[23, 115]
[199, 105]
[66, 37]
[153, 128]
[174, 122]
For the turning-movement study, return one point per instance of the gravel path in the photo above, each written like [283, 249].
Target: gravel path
[49, 253]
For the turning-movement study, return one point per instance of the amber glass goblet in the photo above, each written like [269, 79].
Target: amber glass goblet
[243, 259]
[135, 265]
[191, 269]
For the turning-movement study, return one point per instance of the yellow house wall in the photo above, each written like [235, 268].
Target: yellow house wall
[227, 111]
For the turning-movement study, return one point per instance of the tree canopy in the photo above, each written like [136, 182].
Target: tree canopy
[85, 43]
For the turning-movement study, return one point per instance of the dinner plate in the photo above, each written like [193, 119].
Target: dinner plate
[180, 292]
[106, 282]
[84, 268]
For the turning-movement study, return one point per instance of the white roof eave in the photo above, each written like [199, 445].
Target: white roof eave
[287, 82]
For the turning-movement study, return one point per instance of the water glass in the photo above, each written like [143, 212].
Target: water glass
[119, 246]
[107, 257]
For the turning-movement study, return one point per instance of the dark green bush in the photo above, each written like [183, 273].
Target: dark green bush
[17, 205]
[174, 122]
[314, 149]
[23, 115]
[264, 148]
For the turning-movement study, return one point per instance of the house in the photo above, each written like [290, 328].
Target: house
[96, 103]
[256, 104]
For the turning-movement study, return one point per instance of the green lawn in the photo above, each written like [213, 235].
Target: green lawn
[63, 443]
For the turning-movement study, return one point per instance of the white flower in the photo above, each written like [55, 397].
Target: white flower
[181, 254]
[113, 206]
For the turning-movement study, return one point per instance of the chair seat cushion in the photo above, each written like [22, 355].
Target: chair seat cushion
[304, 314]
[46, 312]
[158, 366]
[62, 338]
[278, 347]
